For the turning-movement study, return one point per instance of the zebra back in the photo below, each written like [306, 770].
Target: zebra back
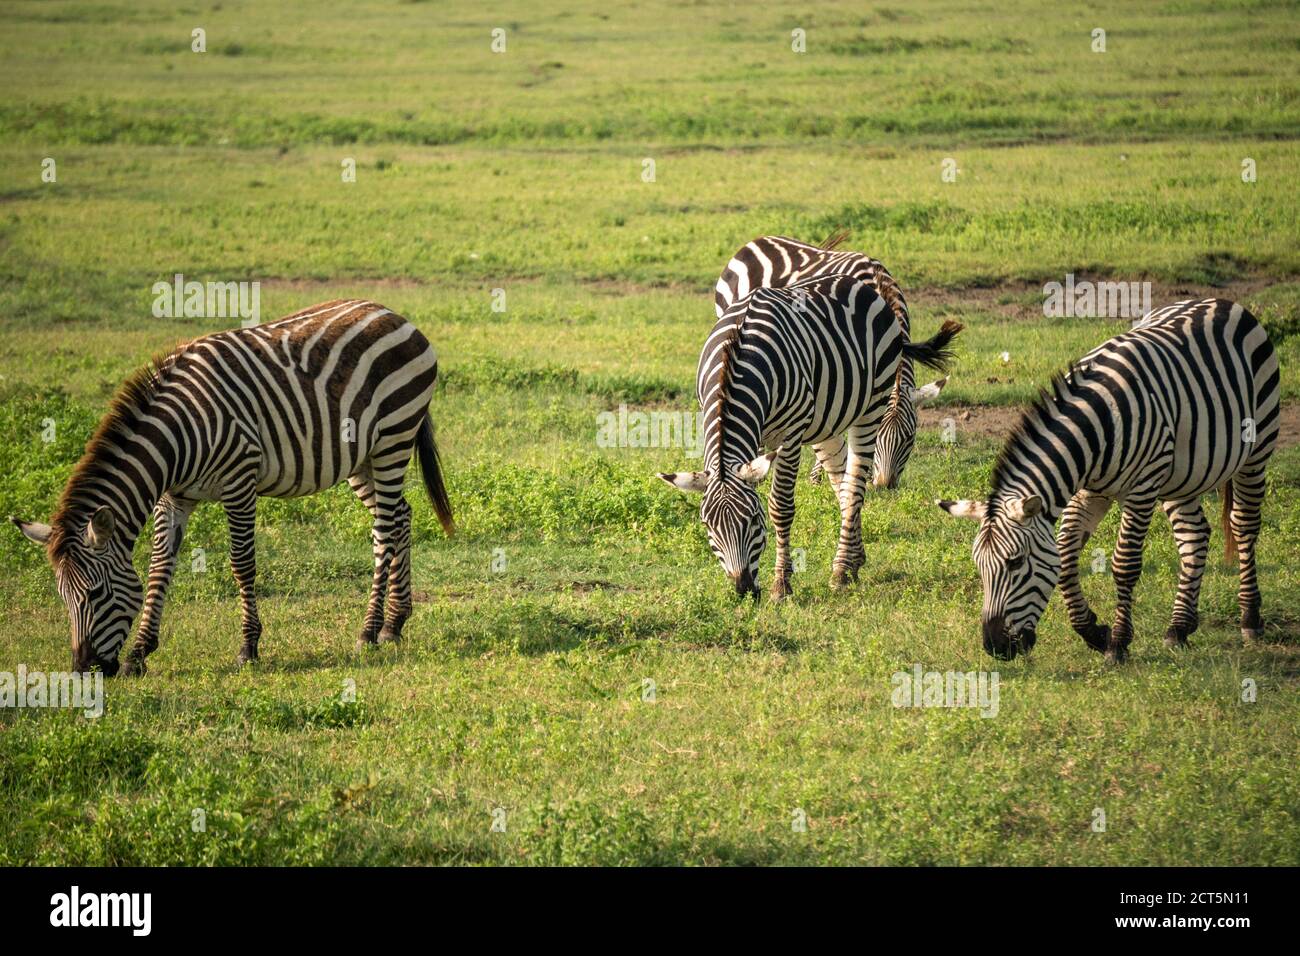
[801, 362]
[1186, 398]
[778, 262]
[309, 398]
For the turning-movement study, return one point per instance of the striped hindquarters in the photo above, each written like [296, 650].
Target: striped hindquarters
[1180, 403]
[775, 262]
[320, 391]
[1211, 374]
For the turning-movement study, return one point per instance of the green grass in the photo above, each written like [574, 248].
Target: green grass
[672, 72]
[522, 688]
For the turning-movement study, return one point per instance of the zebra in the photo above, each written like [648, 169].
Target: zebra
[1185, 401]
[337, 391]
[783, 368]
[777, 262]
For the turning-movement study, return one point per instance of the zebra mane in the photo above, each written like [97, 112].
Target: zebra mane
[132, 397]
[1042, 407]
[834, 240]
[724, 380]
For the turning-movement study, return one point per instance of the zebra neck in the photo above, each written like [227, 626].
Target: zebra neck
[904, 381]
[735, 421]
[1048, 455]
[120, 470]
[732, 439]
[734, 455]
[738, 447]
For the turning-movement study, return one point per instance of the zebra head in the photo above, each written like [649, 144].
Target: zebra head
[1015, 551]
[98, 584]
[733, 514]
[897, 432]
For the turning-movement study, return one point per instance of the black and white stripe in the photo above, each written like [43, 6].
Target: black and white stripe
[776, 262]
[783, 368]
[1185, 402]
[336, 392]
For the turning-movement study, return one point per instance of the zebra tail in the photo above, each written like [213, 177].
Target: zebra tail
[936, 352]
[1229, 539]
[431, 471]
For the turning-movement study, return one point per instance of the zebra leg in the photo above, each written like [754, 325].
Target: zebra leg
[1247, 495]
[1192, 534]
[379, 486]
[397, 607]
[832, 456]
[780, 510]
[363, 487]
[1078, 522]
[241, 513]
[850, 556]
[170, 516]
[1126, 566]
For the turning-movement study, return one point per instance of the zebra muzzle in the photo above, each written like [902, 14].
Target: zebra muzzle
[746, 585]
[109, 666]
[1002, 645]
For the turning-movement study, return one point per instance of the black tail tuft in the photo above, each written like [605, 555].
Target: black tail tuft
[431, 471]
[834, 239]
[936, 352]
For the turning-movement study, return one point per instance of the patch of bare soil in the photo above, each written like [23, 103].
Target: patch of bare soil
[1019, 300]
[371, 286]
[995, 422]
[1024, 300]
[363, 286]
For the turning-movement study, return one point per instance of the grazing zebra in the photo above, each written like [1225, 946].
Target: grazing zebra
[1185, 401]
[338, 391]
[776, 262]
[783, 368]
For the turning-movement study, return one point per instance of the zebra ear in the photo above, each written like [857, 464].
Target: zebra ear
[1022, 509]
[928, 393]
[686, 480]
[964, 508]
[756, 470]
[100, 530]
[33, 531]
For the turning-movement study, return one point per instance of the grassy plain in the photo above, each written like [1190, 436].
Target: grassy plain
[522, 689]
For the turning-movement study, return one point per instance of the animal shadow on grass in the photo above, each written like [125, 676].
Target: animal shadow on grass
[344, 655]
[545, 621]
[536, 627]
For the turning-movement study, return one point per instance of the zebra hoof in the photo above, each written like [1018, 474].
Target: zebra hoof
[839, 580]
[246, 656]
[1095, 635]
[781, 590]
[1174, 640]
[1117, 654]
[1252, 634]
[133, 667]
[390, 635]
